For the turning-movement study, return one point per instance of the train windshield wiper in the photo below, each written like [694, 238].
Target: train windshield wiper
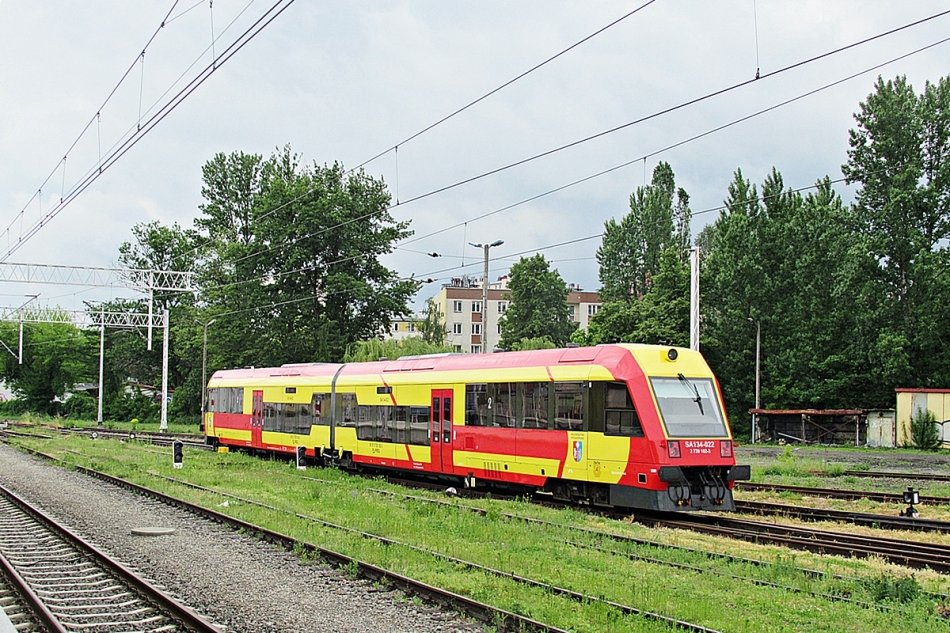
[698, 399]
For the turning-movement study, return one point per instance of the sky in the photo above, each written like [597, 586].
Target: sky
[342, 81]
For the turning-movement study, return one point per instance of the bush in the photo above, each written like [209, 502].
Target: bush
[923, 430]
[893, 589]
[81, 406]
[13, 407]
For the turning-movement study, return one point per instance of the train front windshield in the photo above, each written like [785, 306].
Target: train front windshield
[689, 407]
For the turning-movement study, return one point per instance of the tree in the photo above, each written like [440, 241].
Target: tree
[631, 250]
[432, 327]
[375, 349]
[538, 305]
[899, 158]
[295, 271]
[55, 357]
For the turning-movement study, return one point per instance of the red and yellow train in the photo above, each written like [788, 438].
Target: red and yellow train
[638, 426]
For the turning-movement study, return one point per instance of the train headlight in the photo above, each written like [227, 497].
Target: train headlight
[672, 354]
[674, 448]
[725, 448]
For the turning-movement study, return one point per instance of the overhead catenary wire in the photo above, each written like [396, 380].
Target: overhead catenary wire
[603, 133]
[679, 143]
[274, 277]
[252, 31]
[395, 148]
[95, 117]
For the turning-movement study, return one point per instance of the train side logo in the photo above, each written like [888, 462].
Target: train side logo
[578, 450]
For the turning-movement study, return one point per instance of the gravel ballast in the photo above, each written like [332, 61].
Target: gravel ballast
[236, 581]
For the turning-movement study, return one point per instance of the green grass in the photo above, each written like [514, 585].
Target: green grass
[540, 552]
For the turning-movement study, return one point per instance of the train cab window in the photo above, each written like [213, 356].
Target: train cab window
[569, 406]
[419, 425]
[620, 416]
[477, 412]
[503, 404]
[689, 407]
[534, 405]
[226, 400]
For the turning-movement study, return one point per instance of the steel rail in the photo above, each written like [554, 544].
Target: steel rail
[485, 613]
[915, 554]
[880, 521]
[38, 609]
[168, 606]
[896, 475]
[839, 493]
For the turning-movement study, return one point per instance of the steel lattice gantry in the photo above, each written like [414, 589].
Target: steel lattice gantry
[139, 280]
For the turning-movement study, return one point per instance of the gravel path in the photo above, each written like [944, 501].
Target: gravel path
[241, 583]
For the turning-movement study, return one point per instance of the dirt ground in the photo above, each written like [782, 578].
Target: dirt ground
[897, 460]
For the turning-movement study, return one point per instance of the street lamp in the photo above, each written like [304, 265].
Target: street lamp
[485, 348]
[204, 369]
[758, 351]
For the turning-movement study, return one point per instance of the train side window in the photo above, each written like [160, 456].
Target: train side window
[534, 405]
[620, 416]
[503, 407]
[317, 403]
[419, 425]
[401, 425]
[346, 413]
[569, 406]
[384, 423]
[365, 427]
[271, 417]
[477, 411]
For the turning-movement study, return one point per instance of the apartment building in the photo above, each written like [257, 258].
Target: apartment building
[471, 329]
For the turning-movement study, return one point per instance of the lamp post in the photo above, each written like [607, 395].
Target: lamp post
[204, 369]
[758, 352]
[485, 348]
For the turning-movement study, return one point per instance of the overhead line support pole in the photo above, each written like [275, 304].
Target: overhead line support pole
[102, 355]
[164, 424]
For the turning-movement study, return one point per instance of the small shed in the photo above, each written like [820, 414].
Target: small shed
[813, 426]
[910, 401]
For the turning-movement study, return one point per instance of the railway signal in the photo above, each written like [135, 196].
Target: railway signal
[911, 498]
[177, 454]
[301, 458]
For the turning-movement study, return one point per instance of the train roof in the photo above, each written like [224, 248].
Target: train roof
[607, 356]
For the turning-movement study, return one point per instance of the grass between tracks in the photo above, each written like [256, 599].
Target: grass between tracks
[545, 553]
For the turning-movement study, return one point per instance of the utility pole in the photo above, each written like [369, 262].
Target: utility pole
[758, 354]
[485, 347]
[204, 369]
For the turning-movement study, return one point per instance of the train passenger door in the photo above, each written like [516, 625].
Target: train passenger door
[441, 429]
[257, 417]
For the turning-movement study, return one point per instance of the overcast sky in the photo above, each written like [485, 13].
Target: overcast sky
[343, 81]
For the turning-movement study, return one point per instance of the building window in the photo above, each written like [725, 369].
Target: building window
[456, 306]
[502, 306]
[476, 349]
[458, 348]
[456, 328]
[395, 327]
[476, 306]
[412, 327]
[499, 328]
[476, 328]
[592, 309]
[572, 315]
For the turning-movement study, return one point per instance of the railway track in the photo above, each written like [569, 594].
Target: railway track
[914, 554]
[839, 493]
[896, 475]
[879, 521]
[72, 586]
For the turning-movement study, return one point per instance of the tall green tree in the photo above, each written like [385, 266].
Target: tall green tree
[898, 156]
[296, 275]
[631, 251]
[55, 357]
[781, 261]
[432, 326]
[537, 305]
